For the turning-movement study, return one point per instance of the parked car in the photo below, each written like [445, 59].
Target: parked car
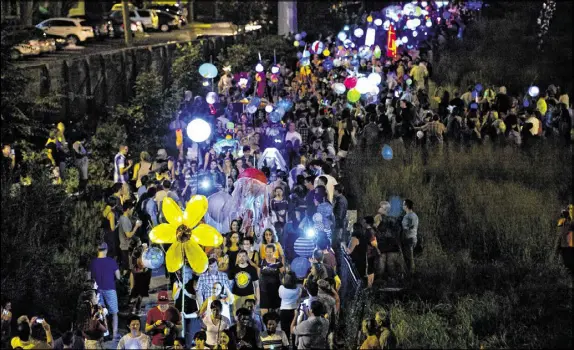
[117, 25]
[167, 22]
[148, 18]
[100, 25]
[24, 41]
[180, 12]
[74, 30]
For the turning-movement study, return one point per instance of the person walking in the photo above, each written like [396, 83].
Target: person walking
[81, 161]
[410, 225]
[105, 271]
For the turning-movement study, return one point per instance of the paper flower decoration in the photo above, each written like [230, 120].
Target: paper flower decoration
[185, 233]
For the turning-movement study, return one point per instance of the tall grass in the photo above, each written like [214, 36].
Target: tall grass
[488, 274]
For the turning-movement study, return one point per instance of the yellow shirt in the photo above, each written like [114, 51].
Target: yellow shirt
[541, 106]
[278, 251]
[16, 342]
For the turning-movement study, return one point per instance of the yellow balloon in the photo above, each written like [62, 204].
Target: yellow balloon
[172, 211]
[194, 210]
[174, 257]
[326, 53]
[195, 257]
[207, 236]
[369, 19]
[163, 233]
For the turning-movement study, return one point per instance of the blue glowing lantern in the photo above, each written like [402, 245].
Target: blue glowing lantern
[300, 266]
[275, 117]
[387, 152]
[153, 258]
[208, 70]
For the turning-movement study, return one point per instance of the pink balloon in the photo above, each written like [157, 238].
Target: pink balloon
[350, 82]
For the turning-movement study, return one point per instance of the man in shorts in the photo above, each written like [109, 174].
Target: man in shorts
[105, 271]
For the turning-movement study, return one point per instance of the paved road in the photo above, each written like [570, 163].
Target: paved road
[96, 46]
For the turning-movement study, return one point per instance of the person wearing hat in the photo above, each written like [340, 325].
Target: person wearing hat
[104, 270]
[163, 322]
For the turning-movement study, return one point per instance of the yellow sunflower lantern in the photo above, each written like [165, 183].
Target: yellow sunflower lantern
[185, 233]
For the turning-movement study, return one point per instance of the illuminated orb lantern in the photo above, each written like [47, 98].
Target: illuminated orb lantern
[339, 88]
[326, 53]
[350, 82]
[358, 32]
[478, 87]
[363, 85]
[296, 44]
[387, 152]
[375, 78]
[208, 70]
[369, 19]
[259, 67]
[153, 258]
[297, 37]
[185, 232]
[301, 265]
[386, 24]
[420, 134]
[404, 39]
[251, 109]
[274, 69]
[348, 43]
[304, 247]
[317, 47]
[211, 98]
[269, 108]
[205, 83]
[533, 91]
[342, 36]
[346, 27]
[429, 24]
[198, 130]
[378, 22]
[353, 95]
[415, 33]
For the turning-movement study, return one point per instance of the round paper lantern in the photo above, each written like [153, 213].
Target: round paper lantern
[353, 95]
[255, 101]
[296, 43]
[274, 69]
[153, 258]
[404, 39]
[428, 24]
[363, 85]
[339, 88]
[211, 97]
[274, 117]
[346, 27]
[297, 37]
[251, 109]
[198, 130]
[326, 53]
[304, 247]
[350, 82]
[280, 111]
[377, 52]
[359, 32]
[369, 19]
[317, 47]
[387, 152]
[259, 67]
[478, 87]
[526, 103]
[446, 15]
[386, 24]
[415, 33]
[378, 22]
[374, 90]
[420, 134]
[269, 108]
[303, 35]
[208, 70]
[328, 64]
[474, 94]
[301, 265]
[299, 55]
[337, 62]
[409, 82]
[533, 91]
[342, 36]
[375, 78]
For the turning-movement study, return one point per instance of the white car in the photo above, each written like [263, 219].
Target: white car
[74, 30]
[147, 18]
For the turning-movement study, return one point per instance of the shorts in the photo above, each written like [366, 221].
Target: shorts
[109, 299]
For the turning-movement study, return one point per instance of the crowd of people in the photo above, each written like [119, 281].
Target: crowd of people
[250, 296]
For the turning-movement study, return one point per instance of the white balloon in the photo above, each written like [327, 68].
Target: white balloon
[420, 134]
[198, 130]
[339, 88]
[375, 78]
[211, 98]
[363, 85]
[358, 32]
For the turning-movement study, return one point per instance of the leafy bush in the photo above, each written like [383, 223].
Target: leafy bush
[488, 274]
[184, 70]
[243, 57]
[46, 241]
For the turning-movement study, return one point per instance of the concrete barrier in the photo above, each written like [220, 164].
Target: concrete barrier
[91, 85]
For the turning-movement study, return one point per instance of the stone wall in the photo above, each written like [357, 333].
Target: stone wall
[91, 85]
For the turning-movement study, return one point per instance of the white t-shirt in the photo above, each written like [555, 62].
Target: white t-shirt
[292, 136]
[214, 331]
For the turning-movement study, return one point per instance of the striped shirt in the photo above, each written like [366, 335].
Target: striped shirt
[119, 163]
[274, 341]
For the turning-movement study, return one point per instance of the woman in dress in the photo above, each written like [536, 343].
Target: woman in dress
[270, 280]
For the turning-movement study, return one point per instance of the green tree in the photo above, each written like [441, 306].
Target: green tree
[185, 69]
[242, 12]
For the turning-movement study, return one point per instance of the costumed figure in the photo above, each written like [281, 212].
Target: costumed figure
[272, 159]
[225, 82]
[178, 126]
[243, 81]
[261, 83]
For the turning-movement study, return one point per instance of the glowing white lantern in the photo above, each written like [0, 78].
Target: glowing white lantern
[378, 22]
[259, 67]
[346, 28]
[370, 37]
[363, 85]
[404, 39]
[198, 130]
[411, 24]
[533, 91]
[211, 98]
[342, 36]
[274, 69]
[269, 108]
[386, 24]
[424, 3]
[374, 78]
[358, 32]
[429, 24]
[415, 33]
